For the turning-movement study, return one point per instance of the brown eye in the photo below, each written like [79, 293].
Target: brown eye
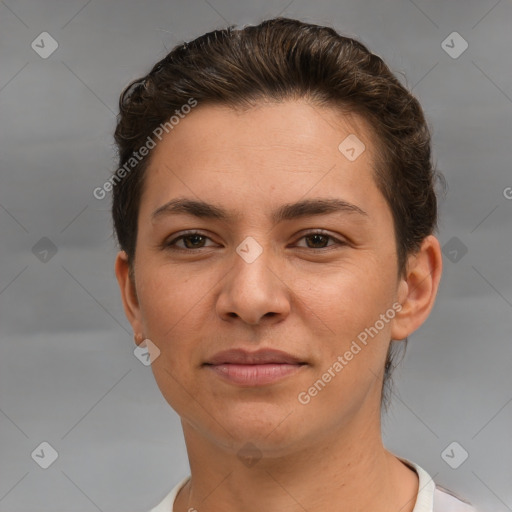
[191, 241]
[319, 240]
[195, 241]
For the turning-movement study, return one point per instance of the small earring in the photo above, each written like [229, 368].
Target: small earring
[138, 338]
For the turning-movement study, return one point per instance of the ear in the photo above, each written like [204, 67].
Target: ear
[128, 293]
[418, 288]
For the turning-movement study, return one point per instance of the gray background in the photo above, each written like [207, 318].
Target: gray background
[68, 372]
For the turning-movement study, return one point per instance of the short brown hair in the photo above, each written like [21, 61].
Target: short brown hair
[282, 59]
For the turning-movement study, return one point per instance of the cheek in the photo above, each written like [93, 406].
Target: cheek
[348, 305]
[170, 302]
[176, 310]
[346, 297]
[165, 297]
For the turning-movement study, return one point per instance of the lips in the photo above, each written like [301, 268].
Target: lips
[249, 369]
[263, 356]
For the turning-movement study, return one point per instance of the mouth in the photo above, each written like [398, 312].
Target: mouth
[258, 368]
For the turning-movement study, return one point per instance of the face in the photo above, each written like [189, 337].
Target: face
[254, 272]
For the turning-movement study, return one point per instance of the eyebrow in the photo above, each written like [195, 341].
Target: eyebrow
[304, 208]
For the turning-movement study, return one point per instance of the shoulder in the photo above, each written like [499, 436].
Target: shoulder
[432, 497]
[166, 505]
[446, 501]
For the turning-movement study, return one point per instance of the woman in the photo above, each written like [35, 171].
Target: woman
[275, 210]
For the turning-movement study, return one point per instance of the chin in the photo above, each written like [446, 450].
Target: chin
[270, 432]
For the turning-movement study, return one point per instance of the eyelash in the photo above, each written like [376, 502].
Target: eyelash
[171, 244]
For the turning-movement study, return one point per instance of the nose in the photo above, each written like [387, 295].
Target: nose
[255, 291]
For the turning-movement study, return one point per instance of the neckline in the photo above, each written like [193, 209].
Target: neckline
[424, 498]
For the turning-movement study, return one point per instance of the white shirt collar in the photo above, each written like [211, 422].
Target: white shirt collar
[429, 498]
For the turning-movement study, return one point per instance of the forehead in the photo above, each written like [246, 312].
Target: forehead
[274, 152]
[299, 125]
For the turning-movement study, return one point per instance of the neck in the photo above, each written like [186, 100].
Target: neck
[338, 471]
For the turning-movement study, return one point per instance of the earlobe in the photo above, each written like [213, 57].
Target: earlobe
[418, 289]
[128, 292]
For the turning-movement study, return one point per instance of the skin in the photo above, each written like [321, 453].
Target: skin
[296, 297]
